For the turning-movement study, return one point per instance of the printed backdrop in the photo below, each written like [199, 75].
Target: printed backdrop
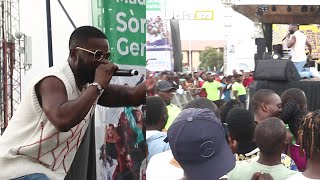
[120, 147]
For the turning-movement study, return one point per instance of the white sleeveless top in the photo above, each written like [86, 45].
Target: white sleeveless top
[298, 49]
[31, 144]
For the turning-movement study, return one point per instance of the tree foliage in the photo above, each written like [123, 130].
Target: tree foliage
[210, 57]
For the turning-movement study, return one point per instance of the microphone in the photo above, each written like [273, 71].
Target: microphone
[126, 72]
[285, 37]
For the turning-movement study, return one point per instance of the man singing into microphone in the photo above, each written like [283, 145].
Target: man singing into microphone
[45, 132]
[297, 42]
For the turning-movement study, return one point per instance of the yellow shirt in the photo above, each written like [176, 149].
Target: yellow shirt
[240, 88]
[212, 89]
[173, 112]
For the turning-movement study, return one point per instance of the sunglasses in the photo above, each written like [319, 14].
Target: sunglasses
[98, 55]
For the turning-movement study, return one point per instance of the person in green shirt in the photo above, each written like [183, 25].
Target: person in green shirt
[213, 89]
[165, 90]
[238, 90]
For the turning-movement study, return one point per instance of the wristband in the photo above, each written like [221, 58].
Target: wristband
[99, 87]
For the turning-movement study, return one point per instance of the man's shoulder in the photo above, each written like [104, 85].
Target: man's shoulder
[162, 166]
[172, 106]
[157, 136]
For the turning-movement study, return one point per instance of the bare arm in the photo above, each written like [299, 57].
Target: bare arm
[61, 112]
[309, 47]
[220, 92]
[291, 41]
[118, 96]
[235, 94]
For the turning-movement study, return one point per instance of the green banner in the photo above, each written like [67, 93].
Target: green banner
[124, 23]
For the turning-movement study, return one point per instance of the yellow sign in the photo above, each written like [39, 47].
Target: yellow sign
[313, 35]
[204, 15]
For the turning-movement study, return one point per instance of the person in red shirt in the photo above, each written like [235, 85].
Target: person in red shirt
[204, 79]
[247, 80]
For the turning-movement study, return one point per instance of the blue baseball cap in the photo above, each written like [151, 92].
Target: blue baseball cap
[198, 144]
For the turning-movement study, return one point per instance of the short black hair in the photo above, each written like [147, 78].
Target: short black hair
[295, 94]
[155, 108]
[270, 135]
[226, 107]
[293, 115]
[164, 73]
[293, 112]
[241, 124]
[81, 35]
[203, 103]
[259, 97]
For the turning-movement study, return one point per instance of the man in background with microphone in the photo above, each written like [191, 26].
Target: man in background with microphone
[297, 41]
[46, 131]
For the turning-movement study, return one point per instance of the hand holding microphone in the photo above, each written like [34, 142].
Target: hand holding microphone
[287, 36]
[104, 73]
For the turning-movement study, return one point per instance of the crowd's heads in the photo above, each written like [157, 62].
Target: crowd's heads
[157, 114]
[81, 35]
[237, 78]
[241, 125]
[164, 75]
[294, 109]
[203, 103]
[204, 77]
[197, 141]
[270, 136]
[228, 79]
[309, 134]
[296, 95]
[196, 75]
[210, 77]
[165, 90]
[189, 78]
[225, 108]
[266, 102]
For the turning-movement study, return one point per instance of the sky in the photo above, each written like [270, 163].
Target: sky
[33, 23]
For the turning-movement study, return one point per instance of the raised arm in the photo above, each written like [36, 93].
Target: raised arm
[118, 95]
[291, 41]
[309, 47]
[62, 112]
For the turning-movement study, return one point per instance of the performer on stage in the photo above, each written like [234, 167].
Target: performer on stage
[297, 41]
[45, 132]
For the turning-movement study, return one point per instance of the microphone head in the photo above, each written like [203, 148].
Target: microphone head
[134, 72]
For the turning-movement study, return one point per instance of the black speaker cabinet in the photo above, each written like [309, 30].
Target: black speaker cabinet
[276, 70]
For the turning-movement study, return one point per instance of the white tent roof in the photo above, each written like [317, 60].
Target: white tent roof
[276, 2]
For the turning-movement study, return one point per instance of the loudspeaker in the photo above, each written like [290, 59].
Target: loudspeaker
[267, 56]
[261, 49]
[260, 42]
[278, 49]
[276, 70]
[258, 56]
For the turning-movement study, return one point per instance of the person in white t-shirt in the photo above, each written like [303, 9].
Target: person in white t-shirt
[309, 136]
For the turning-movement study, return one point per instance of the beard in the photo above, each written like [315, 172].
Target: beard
[84, 72]
[291, 31]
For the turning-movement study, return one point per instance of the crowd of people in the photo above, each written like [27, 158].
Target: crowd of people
[212, 85]
[278, 138]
